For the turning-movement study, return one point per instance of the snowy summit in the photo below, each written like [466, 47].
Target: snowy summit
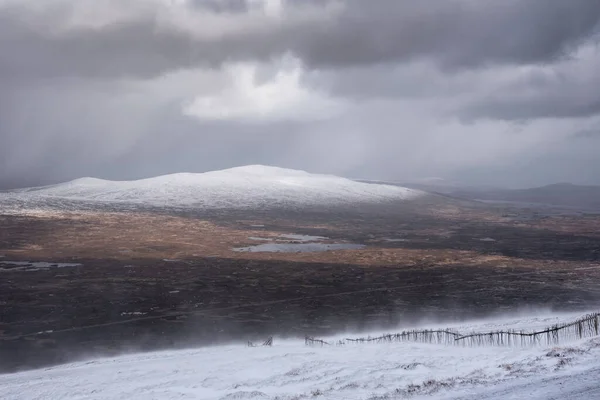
[241, 187]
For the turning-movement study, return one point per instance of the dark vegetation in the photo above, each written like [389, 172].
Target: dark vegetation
[132, 299]
[92, 309]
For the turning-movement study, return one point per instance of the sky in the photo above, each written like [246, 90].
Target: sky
[501, 93]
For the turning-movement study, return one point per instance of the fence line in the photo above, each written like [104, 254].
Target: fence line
[584, 327]
[268, 342]
[423, 336]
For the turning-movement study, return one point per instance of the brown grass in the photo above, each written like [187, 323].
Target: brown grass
[137, 236]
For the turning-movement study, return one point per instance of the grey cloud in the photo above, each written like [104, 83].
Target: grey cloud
[145, 45]
[565, 90]
[130, 50]
[412, 81]
[453, 33]
[587, 134]
[571, 161]
[222, 6]
[558, 105]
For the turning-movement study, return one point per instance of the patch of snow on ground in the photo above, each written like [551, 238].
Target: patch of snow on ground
[290, 370]
[260, 239]
[298, 247]
[34, 266]
[302, 238]
[287, 237]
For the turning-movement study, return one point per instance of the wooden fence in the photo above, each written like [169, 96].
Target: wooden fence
[585, 327]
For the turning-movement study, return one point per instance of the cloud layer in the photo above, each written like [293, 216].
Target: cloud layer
[474, 90]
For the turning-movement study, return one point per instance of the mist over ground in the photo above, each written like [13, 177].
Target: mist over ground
[287, 368]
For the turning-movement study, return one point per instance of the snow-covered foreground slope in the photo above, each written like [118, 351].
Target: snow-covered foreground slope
[242, 187]
[290, 370]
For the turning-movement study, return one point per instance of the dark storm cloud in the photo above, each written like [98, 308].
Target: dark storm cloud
[97, 87]
[564, 90]
[139, 47]
[453, 33]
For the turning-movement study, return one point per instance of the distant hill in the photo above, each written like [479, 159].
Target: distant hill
[253, 186]
[559, 194]
[446, 187]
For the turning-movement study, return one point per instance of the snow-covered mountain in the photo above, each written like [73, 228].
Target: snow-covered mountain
[241, 187]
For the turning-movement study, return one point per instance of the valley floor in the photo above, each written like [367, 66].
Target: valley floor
[82, 279]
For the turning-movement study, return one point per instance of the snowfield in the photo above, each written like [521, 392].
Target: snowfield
[241, 187]
[291, 370]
